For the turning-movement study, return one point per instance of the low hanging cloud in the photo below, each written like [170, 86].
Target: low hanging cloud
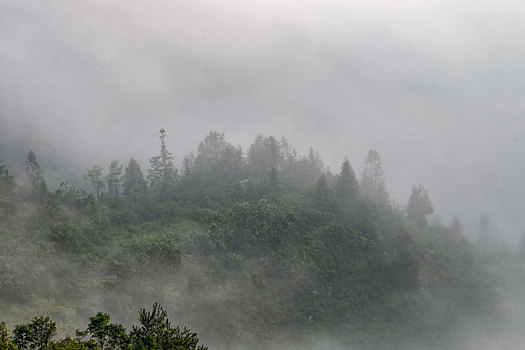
[435, 86]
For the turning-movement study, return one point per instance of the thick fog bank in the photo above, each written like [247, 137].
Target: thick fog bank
[435, 87]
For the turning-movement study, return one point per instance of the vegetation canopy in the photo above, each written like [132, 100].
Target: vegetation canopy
[263, 247]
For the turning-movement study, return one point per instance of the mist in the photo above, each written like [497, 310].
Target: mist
[434, 86]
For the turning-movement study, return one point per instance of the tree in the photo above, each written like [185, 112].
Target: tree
[216, 167]
[218, 159]
[265, 153]
[274, 180]
[162, 175]
[346, 185]
[323, 195]
[7, 182]
[156, 332]
[373, 179]
[33, 171]
[187, 165]
[5, 341]
[107, 335]
[113, 178]
[304, 170]
[133, 182]
[35, 175]
[419, 206]
[94, 175]
[34, 335]
[7, 193]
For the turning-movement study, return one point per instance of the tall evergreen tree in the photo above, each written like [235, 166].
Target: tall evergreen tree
[265, 153]
[323, 195]
[305, 170]
[113, 178]
[373, 179]
[156, 332]
[187, 165]
[35, 176]
[94, 175]
[7, 182]
[133, 180]
[346, 185]
[419, 206]
[162, 175]
[218, 162]
[7, 193]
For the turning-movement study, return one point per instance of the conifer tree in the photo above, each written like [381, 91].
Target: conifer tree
[373, 179]
[94, 175]
[35, 176]
[346, 185]
[133, 180]
[156, 332]
[265, 153]
[419, 206]
[7, 193]
[113, 178]
[33, 171]
[7, 182]
[218, 162]
[162, 175]
[323, 195]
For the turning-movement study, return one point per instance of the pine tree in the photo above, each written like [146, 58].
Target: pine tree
[94, 175]
[323, 195]
[35, 176]
[33, 171]
[419, 206]
[133, 180]
[265, 153]
[113, 178]
[7, 182]
[373, 179]
[156, 332]
[162, 175]
[346, 185]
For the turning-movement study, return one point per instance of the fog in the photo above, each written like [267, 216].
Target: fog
[436, 87]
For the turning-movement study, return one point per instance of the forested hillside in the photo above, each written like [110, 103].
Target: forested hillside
[258, 247]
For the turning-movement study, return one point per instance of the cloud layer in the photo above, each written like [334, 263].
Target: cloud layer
[435, 86]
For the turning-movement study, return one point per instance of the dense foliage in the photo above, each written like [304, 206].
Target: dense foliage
[154, 333]
[263, 247]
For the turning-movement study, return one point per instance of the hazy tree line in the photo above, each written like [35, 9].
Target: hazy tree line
[258, 246]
